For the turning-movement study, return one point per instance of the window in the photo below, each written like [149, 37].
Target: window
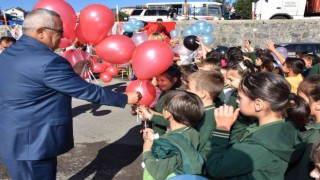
[136, 12]
[213, 10]
[307, 47]
[150, 12]
[163, 12]
[198, 11]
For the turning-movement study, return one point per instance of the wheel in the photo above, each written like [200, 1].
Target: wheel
[279, 17]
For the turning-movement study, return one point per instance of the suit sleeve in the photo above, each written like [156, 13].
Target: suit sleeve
[59, 75]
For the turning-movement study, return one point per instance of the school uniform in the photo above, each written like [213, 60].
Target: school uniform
[173, 153]
[314, 70]
[302, 168]
[205, 128]
[159, 124]
[262, 153]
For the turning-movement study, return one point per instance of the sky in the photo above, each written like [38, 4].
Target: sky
[80, 4]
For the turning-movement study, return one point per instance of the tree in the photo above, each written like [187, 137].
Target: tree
[243, 8]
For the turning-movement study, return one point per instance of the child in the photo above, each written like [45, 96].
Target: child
[293, 67]
[167, 81]
[5, 42]
[207, 85]
[315, 156]
[264, 151]
[309, 90]
[210, 64]
[175, 152]
[271, 65]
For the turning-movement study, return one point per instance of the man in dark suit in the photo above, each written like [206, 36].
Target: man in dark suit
[35, 99]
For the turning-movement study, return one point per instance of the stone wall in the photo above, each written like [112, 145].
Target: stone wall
[232, 33]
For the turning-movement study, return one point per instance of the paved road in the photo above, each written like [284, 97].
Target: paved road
[107, 143]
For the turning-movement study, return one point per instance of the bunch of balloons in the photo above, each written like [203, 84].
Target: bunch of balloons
[133, 25]
[150, 59]
[201, 29]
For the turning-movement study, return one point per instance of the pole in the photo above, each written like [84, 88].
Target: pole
[185, 9]
[253, 11]
[117, 13]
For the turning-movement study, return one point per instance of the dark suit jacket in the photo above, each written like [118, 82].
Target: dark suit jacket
[35, 101]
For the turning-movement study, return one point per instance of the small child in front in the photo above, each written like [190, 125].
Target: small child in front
[175, 152]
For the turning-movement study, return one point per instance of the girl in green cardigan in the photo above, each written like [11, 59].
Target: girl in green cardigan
[167, 81]
[176, 151]
[262, 152]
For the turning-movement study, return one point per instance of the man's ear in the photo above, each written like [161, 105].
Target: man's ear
[39, 33]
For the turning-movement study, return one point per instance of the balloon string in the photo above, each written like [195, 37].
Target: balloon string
[93, 76]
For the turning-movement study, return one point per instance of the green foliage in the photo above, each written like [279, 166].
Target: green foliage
[243, 8]
[122, 16]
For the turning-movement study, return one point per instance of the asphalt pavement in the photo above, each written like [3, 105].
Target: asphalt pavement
[108, 144]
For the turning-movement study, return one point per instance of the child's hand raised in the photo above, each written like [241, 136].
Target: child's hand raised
[148, 139]
[225, 116]
[144, 112]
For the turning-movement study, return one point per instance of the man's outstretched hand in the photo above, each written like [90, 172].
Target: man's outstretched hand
[134, 97]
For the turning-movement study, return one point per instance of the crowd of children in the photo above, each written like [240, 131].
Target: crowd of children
[237, 114]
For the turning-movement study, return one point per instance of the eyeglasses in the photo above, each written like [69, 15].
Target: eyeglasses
[59, 31]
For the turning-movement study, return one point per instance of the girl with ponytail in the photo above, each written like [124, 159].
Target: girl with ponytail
[264, 151]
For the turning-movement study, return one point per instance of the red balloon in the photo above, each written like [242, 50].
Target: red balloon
[105, 77]
[151, 58]
[94, 59]
[112, 71]
[67, 41]
[80, 35]
[66, 12]
[116, 49]
[147, 90]
[106, 64]
[95, 21]
[74, 56]
[98, 68]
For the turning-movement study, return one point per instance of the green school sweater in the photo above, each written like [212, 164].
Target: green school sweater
[167, 167]
[205, 128]
[159, 124]
[262, 153]
[314, 70]
[304, 166]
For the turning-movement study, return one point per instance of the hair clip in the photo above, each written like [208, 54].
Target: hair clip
[243, 67]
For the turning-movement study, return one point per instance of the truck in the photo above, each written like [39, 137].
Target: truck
[286, 9]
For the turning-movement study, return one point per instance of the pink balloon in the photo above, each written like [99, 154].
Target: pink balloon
[139, 38]
[182, 50]
[151, 58]
[95, 21]
[112, 71]
[147, 90]
[74, 56]
[105, 77]
[66, 12]
[116, 49]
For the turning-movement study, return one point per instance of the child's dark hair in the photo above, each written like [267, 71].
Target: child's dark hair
[310, 57]
[315, 151]
[214, 54]
[213, 62]
[296, 64]
[210, 81]
[310, 86]
[185, 107]
[186, 70]
[266, 56]
[244, 68]
[7, 39]
[274, 89]
[173, 72]
[271, 66]
[234, 56]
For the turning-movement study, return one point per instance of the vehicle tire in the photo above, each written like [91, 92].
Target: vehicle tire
[280, 17]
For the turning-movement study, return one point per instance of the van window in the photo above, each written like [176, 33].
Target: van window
[199, 11]
[214, 10]
[291, 47]
[150, 12]
[162, 12]
[307, 47]
[136, 12]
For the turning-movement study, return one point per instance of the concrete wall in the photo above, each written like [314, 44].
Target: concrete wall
[3, 31]
[232, 33]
